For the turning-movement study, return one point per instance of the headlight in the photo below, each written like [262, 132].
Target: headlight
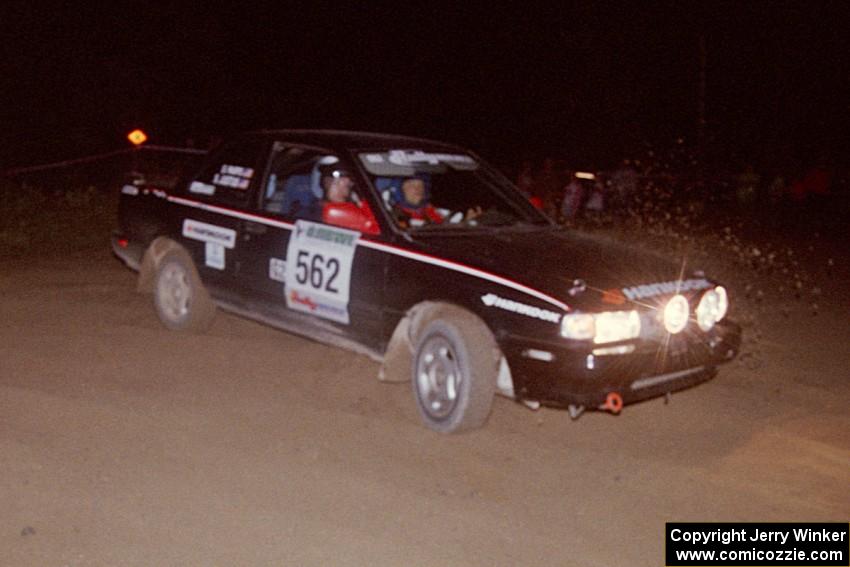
[712, 307]
[612, 326]
[676, 314]
[579, 326]
[605, 327]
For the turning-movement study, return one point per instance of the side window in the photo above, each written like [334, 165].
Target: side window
[230, 175]
[316, 186]
[293, 187]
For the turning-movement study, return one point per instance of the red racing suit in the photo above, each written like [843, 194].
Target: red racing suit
[425, 213]
[355, 216]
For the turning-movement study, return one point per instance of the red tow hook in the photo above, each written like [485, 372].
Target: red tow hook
[613, 403]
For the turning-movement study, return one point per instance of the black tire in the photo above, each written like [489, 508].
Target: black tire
[454, 372]
[181, 301]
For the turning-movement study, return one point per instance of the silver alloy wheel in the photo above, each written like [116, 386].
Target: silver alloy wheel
[438, 377]
[174, 291]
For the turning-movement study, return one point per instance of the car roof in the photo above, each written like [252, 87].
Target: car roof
[352, 140]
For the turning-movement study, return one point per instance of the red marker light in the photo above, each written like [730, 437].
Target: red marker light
[137, 137]
[614, 296]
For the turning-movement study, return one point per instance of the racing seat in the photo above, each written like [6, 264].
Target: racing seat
[298, 199]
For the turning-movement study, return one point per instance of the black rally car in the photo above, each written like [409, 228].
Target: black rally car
[424, 257]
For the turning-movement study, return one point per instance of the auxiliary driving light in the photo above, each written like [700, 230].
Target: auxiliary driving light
[712, 307]
[676, 314]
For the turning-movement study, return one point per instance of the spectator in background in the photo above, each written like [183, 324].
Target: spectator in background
[777, 188]
[747, 190]
[525, 179]
[547, 185]
[815, 190]
[814, 185]
[572, 199]
[623, 184]
[595, 196]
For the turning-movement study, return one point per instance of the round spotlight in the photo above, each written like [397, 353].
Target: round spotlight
[676, 314]
[707, 310]
[722, 302]
[712, 307]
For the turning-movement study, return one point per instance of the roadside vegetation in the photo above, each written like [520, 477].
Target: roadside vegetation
[44, 222]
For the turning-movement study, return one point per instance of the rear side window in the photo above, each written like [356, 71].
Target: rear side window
[293, 188]
[231, 175]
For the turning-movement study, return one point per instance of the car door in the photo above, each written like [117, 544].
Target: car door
[207, 212]
[294, 265]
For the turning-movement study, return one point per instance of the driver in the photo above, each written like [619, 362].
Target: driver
[336, 184]
[340, 206]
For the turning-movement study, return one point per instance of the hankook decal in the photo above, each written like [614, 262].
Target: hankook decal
[664, 288]
[209, 233]
[493, 300]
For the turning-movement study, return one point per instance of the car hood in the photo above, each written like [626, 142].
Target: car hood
[551, 261]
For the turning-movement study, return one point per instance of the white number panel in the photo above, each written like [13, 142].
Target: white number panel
[318, 269]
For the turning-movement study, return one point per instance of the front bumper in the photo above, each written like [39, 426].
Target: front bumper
[575, 376]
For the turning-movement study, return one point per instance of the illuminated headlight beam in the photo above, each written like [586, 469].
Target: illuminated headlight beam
[613, 326]
[605, 327]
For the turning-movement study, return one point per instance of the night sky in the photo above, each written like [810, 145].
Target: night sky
[589, 83]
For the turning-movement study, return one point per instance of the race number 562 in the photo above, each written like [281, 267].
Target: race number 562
[318, 272]
[319, 259]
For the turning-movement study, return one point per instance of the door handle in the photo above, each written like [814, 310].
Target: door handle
[255, 228]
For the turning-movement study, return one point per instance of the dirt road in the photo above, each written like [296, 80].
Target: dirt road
[122, 443]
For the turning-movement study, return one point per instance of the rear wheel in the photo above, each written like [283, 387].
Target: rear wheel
[454, 372]
[181, 301]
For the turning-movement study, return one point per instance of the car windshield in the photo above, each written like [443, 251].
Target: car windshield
[425, 190]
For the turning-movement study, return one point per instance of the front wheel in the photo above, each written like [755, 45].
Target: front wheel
[181, 301]
[454, 373]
